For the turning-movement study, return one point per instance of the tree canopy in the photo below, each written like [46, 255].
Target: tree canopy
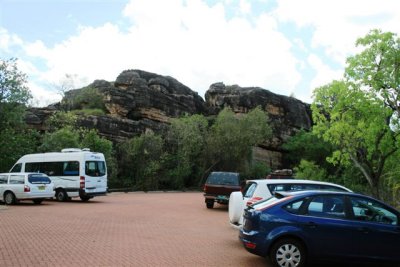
[359, 114]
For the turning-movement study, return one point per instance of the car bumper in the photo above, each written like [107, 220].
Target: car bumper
[253, 242]
[222, 199]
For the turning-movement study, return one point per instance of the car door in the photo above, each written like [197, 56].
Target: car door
[375, 228]
[326, 227]
[3, 184]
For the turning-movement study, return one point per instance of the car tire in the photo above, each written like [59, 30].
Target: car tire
[61, 195]
[236, 207]
[9, 198]
[38, 201]
[85, 199]
[288, 252]
[210, 204]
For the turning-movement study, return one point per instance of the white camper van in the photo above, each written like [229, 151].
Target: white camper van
[74, 172]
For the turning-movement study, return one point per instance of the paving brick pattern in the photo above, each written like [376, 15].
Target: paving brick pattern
[121, 229]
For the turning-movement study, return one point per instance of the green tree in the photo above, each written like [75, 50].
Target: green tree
[60, 139]
[232, 138]
[377, 67]
[187, 137]
[15, 143]
[360, 115]
[358, 124]
[15, 139]
[140, 161]
[14, 94]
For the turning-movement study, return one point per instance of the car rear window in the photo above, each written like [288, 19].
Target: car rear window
[302, 187]
[223, 178]
[38, 179]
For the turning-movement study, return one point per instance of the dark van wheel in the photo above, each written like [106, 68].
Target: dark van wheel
[210, 204]
[37, 201]
[288, 252]
[61, 195]
[85, 199]
[9, 198]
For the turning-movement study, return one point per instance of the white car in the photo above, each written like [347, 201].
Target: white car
[25, 186]
[257, 190]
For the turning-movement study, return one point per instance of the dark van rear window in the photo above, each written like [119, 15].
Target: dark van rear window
[223, 178]
[38, 179]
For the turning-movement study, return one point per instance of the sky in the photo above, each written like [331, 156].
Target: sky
[289, 47]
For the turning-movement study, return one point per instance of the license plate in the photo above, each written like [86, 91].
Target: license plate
[41, 187]
[222, 197]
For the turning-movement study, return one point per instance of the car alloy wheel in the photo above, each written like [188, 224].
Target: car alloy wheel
[288, 253]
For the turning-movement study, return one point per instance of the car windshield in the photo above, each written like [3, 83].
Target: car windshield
[223, 178]
[38, 179]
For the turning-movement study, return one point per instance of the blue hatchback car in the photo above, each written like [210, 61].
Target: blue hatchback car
[296, 228]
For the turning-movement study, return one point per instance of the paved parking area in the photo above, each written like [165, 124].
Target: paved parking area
[121, 229]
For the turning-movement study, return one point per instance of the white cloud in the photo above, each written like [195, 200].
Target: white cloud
[8, 40]
[338, 23]
[192, 42]
[324, 75]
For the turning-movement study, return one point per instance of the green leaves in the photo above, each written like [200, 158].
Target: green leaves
[359, 115]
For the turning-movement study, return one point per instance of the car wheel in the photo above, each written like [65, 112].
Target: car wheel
[9, 198]
[288, 252]
[37, 201]
[61, 195]
[210, 204]
[85, 199]
[235, 208]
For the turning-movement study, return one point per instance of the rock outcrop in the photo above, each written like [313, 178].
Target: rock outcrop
[287, 115]
[140, 101]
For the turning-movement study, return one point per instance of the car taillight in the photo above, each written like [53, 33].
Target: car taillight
[253, 200]
[204, 188]
[82, 182]
[27, 188]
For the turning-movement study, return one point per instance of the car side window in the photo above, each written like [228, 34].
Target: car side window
[249, 190]
[17, 179]
[327, 206]
[372, 211]
[294, 207]
[3, 179]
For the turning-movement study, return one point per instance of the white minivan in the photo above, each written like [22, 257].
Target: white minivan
[25, 186]
[74, 172]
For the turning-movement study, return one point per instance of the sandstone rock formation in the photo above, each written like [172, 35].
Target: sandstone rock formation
[140, 101]
[287, 115]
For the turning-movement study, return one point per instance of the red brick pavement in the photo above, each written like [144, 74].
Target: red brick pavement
[121, 229]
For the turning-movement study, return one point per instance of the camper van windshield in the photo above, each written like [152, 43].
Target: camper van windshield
[95, 168]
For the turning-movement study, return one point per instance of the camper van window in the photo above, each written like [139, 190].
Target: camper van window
[71, 168]
[95, 168]
[62, 168]
[17, 168]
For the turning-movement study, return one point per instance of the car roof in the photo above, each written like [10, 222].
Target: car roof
[293, 181]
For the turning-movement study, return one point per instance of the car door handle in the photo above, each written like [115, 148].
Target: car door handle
[363, 229]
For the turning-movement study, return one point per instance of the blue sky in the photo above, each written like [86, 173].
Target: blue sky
[289, 47]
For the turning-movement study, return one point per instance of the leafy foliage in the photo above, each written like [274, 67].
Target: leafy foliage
[86, 98]
[232, 137]
[140, 161]
[359, 115]
[14, 94]
[14, 143]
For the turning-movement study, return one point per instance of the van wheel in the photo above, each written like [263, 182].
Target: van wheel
[85, 199]
[38, 201]
[61, 195]
[210, 204]
[288, 252]
[9, 198]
